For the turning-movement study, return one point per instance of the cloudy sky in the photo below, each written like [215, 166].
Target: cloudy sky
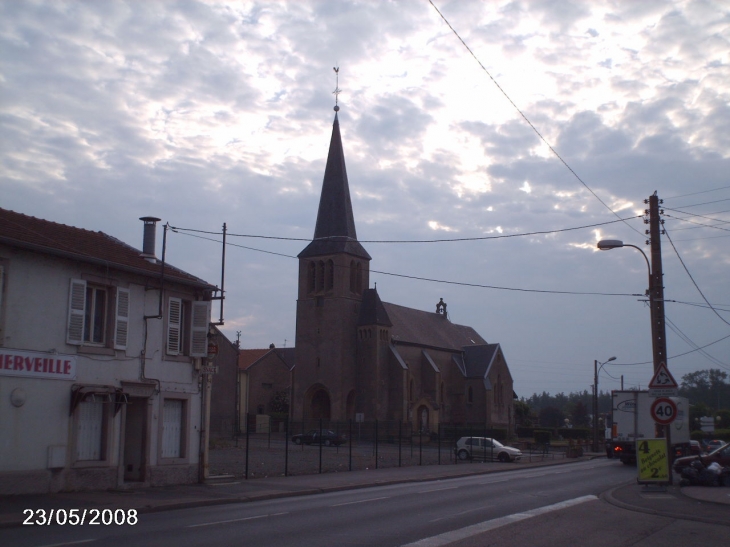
[204, 113]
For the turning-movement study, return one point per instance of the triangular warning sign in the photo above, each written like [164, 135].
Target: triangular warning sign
[663, 379]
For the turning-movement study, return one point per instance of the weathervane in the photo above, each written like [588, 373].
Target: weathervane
[337, 90]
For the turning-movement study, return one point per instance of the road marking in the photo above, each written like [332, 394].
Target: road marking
[234, 520]
[463, 513]
[69, 543]
[469, 531]
[361, 501]
[438, 489]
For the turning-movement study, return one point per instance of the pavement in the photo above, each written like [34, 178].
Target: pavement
[703, 504]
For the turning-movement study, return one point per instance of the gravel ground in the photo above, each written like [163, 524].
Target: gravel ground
[270, 457]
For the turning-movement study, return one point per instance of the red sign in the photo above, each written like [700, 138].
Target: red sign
[663, 411]
[33, 364]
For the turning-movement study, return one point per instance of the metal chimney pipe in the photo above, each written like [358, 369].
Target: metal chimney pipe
[148, 243]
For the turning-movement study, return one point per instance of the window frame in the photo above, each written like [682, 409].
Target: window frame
[187, 323]
[184, 429]
[116, 315]
[106, 427]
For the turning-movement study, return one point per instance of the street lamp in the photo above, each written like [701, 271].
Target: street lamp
[596, 370]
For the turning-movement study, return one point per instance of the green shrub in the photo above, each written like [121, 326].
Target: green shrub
[542, 436]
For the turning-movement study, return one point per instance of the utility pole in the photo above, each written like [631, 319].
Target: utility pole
[656, 301]
[656, 287]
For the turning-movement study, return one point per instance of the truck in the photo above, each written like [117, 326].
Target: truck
[631, 421]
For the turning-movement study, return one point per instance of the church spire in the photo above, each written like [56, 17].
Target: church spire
[335, 228]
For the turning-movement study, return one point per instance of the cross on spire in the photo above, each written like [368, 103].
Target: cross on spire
[337, 90]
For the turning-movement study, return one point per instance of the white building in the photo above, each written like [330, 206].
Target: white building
[100, 347]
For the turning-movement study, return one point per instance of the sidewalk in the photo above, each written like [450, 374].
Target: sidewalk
[698, 503]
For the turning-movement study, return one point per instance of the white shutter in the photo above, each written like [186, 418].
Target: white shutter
[76, 308]
[172, 420]
[174, 326]
[121, 331]
[199, 329]
[89, 431]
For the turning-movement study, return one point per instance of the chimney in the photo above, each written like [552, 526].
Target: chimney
[148, 243]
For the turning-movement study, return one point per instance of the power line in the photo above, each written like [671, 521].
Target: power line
[699, 224]
[526, 118]
[705, 203]
[692, 278]
[459, 283]
[448, 240]
[695, 193]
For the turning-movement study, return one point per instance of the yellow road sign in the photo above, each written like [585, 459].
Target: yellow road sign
[653, 463]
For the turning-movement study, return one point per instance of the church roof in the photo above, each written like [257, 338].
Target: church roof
[478, 359]
[335, 229]
[372, 311]
[429, 329]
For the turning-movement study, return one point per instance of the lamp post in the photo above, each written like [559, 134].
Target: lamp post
[596, 370]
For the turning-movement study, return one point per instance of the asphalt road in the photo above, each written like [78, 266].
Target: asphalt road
[384, 516]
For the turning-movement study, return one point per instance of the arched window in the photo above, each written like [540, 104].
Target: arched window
[359, 279]
[330, 275]
[441, 393]
[470, 395]
[311, 276]
[320, 276]
[353, 277]
[410, 390]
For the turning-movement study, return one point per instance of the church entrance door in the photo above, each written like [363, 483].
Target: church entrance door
[320, 405]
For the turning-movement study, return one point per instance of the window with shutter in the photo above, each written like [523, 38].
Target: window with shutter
[90, 431]
[172, 428]
[174, 326]
[76, 312]
[121, 331]
[199, 329]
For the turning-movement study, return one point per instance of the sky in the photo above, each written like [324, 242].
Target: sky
[558, 120]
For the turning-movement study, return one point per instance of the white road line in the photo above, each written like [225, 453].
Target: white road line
[361, 501]
[438, 489]
[469, 531]
[234, 520]
[463, 513]
[68, 543]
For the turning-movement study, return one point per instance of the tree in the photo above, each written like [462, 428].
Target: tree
[522, 413]
[551, 416]
[579, 415]
[280, 403]
[709, 387]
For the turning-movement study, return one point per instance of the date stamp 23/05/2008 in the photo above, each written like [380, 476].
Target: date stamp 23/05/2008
[80, 517]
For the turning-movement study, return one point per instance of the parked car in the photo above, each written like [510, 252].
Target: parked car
[720, 455]
[712, 445]
[484, 448]
[694, 448]
[328, 438]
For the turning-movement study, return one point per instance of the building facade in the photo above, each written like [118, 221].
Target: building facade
[100, 346]
[360, 358]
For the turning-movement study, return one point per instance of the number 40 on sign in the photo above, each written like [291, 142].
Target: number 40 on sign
[663, 411]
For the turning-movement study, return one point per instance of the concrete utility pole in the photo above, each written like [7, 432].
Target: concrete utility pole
[656, 284]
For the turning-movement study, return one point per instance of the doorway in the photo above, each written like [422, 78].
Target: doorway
[135, 439]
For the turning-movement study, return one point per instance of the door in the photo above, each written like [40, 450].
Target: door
[135, 439]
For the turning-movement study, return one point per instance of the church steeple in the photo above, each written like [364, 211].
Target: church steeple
[335, 228]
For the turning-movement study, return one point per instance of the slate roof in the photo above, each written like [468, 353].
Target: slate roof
[250, 357]
[372, 311]
[43, 236]
[335, 229]
[478, 359]
[429, 329]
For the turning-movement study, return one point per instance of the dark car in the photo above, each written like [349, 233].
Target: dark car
[720, 455]
[328, 438]
[712, 445]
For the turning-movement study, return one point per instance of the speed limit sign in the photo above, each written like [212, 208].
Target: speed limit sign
[663, 411]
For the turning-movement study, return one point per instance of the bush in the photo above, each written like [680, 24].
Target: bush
[575, 433]
[542, 436]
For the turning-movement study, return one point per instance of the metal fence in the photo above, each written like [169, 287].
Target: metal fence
[268, 450]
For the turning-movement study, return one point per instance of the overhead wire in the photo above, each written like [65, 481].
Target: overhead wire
[692, 278]
[445, 240]
[527, 120]
[695, 193]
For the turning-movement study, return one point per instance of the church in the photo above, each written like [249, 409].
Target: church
[359, 358]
